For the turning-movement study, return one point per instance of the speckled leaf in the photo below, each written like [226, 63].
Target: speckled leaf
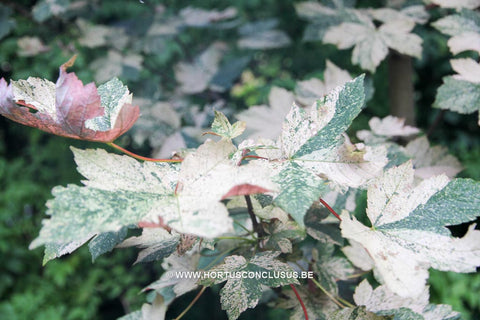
[458, 95]
[113, 95]
[408, 233]
[67, 107]
[464, 29]
[329, 268]
[241, 293]
[299, 189]
[105, 242]
[186, 198]
[358, 313]
[318, 305]
[156, 243]
[54, 250]
[222, 127]
[281, 235]
[321, 127]
[384, 302]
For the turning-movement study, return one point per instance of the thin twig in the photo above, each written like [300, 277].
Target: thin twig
[138, 157]
[300, 300]
[191, 303]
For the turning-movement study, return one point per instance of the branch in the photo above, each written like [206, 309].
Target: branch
[256, 226]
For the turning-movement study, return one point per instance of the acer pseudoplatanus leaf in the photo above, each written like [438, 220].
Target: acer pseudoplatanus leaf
[68, 108]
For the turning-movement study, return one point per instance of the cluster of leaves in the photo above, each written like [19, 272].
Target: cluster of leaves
[409, 205]
[255, 205]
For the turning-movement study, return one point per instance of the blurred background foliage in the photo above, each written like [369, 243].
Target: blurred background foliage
[181, 59]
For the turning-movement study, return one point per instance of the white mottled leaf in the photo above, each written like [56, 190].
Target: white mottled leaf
[467, 69]
[385, 302]
[431, 161]
[268, 39]
[241, 293]
[458, 95]
[195, 77]
[222, 127]
[464, 42]
[388, 127]
[113, 95]
[408, 233]
[266, 121]
[186, 198]
[457, 4]
[308, 91]
[175, 266]
[38, 92]
[370, 43]
[156, 243]
[196, 17]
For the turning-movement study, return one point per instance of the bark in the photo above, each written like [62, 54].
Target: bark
[401, 91]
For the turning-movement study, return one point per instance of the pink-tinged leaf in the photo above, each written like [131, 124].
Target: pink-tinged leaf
[64, 108]
[243, 190]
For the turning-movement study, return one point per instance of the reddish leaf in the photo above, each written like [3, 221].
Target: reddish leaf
[243, 190]
[74, 105]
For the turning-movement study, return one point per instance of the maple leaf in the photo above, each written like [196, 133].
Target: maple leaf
[408, 233]
[243, 292]
[156, 243]
[68, 108]
[384, 302]
[222, 127]
[463, 28]
[371, 43]
[431, 161]
[120, 191]
[311, 147]
[461, 92]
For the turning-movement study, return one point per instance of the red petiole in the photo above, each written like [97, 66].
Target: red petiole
[300, 300]
[330, 209]
[138, 157]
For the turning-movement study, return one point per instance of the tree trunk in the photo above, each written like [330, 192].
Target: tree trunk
[400, 90]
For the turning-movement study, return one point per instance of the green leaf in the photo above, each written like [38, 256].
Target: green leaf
[6, 23]
[222, 127]
[105, 242]
[243, 292]
[409, 234]
[44, 9]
